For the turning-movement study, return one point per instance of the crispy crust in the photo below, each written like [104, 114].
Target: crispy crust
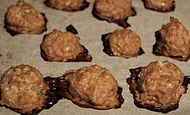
[132, 81]
[71, 28]
[121, 22]
[13, 33]
[106, 44]
[172, 8]
[62, 90]
[186, 81]
[52, 98]
[0, 95]
[84, 6]
[160, 50]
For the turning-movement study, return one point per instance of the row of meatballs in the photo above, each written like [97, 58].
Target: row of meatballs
[157, 86]
[23, 18]
[172, 40]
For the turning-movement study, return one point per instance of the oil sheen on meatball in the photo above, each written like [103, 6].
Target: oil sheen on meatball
[24, 19]
[173, 40]
[125, 43]
[23, 89]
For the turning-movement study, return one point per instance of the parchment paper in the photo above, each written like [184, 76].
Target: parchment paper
[25, 49]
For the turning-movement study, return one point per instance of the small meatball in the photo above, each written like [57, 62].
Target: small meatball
[125, 42]
[173, 40]
[160, 5]
[22, 18]
[23, 89]
[63, 47]
[158, 86]
[114, 11]
[93, 87]
[67, 5]
[122, 42]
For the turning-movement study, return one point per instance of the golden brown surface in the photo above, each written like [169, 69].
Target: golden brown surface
[160, 5]
[158, 85]
[125, 43]
[95, 87]
[67, 5]
[61, 46]
[23, 18]
[23, 88]
[174, 40]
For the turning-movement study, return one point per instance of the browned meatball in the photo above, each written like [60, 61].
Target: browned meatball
[93, 87]
[160, 5]
[122, 42]
[63, 47]
[158, 86]
[173, 40]
[114, 11]
[22, 18]
[23, 89]
[67, 5]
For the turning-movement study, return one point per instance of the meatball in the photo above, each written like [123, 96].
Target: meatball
[63, 47]
[158, 86]
[122, 42]
[160, 5]
[173, 40]
[93, 87]
[23, 89]
[114, 11]
[67, 5]
[22, 18]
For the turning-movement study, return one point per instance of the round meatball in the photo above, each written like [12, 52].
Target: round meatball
[158, 86]
[24, 19]
[114, 11]
[125, 43]
[61, 46]
[173, 40]
[160, 5]
[94, 86]
[23, 89]
[67, 5]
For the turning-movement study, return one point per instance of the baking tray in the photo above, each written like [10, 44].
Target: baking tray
[25, 49]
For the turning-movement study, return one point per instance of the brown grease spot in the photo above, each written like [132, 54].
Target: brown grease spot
[9, 56]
